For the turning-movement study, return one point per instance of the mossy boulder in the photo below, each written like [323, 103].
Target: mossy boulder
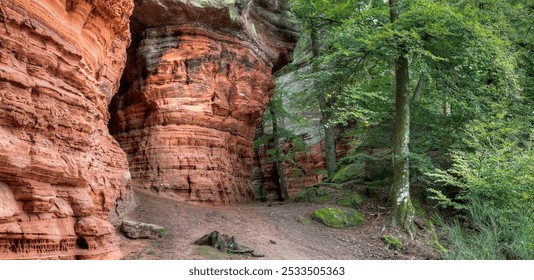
[392, 243]
[315, 194]
[338, 218]
[353, 200]
[353, 171]
[377, 188]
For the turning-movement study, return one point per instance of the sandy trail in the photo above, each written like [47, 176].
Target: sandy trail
[271, 229]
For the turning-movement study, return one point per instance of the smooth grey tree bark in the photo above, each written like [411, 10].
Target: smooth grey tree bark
[402, 209]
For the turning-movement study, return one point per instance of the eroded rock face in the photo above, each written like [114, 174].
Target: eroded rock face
[61, 172]
[197, 81]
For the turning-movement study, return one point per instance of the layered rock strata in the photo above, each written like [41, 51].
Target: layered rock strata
[61, 172]
[197, 81]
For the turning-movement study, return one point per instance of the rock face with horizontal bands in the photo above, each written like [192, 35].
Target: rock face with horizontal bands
[60, 170]
[197, 81]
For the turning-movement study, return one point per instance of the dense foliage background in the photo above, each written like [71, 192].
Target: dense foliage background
[471, 107]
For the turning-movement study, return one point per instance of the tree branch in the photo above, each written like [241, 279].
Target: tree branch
[417, 92]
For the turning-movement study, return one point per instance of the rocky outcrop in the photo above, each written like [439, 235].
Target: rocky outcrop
[61, 172]
[197, 81]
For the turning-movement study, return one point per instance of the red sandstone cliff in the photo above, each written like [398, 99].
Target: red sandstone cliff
[60, 170]
[197, 81]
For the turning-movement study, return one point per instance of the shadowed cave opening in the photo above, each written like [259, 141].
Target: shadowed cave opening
[81, 243]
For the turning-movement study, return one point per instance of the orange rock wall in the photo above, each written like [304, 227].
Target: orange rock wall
[61, 172]
[188, 117]
[197, 80]
[195, 86]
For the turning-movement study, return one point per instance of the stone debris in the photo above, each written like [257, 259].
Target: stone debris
[225, 244]
[134, 230]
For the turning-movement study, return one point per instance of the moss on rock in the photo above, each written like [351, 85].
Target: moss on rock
[338, 218]
[353, 200]
[377, 188]
[350, 172]
[392, 243]
[333, 185]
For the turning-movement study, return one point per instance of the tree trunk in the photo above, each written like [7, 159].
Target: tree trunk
[330, 150]
[402, 208]
[417, 92]
[257, 163]
[329, 132]
[329, 137]
[278, 154]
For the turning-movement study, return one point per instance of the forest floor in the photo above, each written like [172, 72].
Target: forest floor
[273, 229]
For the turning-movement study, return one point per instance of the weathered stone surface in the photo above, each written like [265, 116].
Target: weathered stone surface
[136, 230]
[9, 206]
[60, 64]
[197, 81]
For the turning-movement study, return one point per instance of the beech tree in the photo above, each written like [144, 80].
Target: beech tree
[314, 26]
[318, 17]
[402, 208]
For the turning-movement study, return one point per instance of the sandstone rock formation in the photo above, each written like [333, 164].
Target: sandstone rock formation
[61, 172]
[197, 81]
[198, 78]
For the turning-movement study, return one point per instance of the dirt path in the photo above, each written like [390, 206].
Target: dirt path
[270, 229]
